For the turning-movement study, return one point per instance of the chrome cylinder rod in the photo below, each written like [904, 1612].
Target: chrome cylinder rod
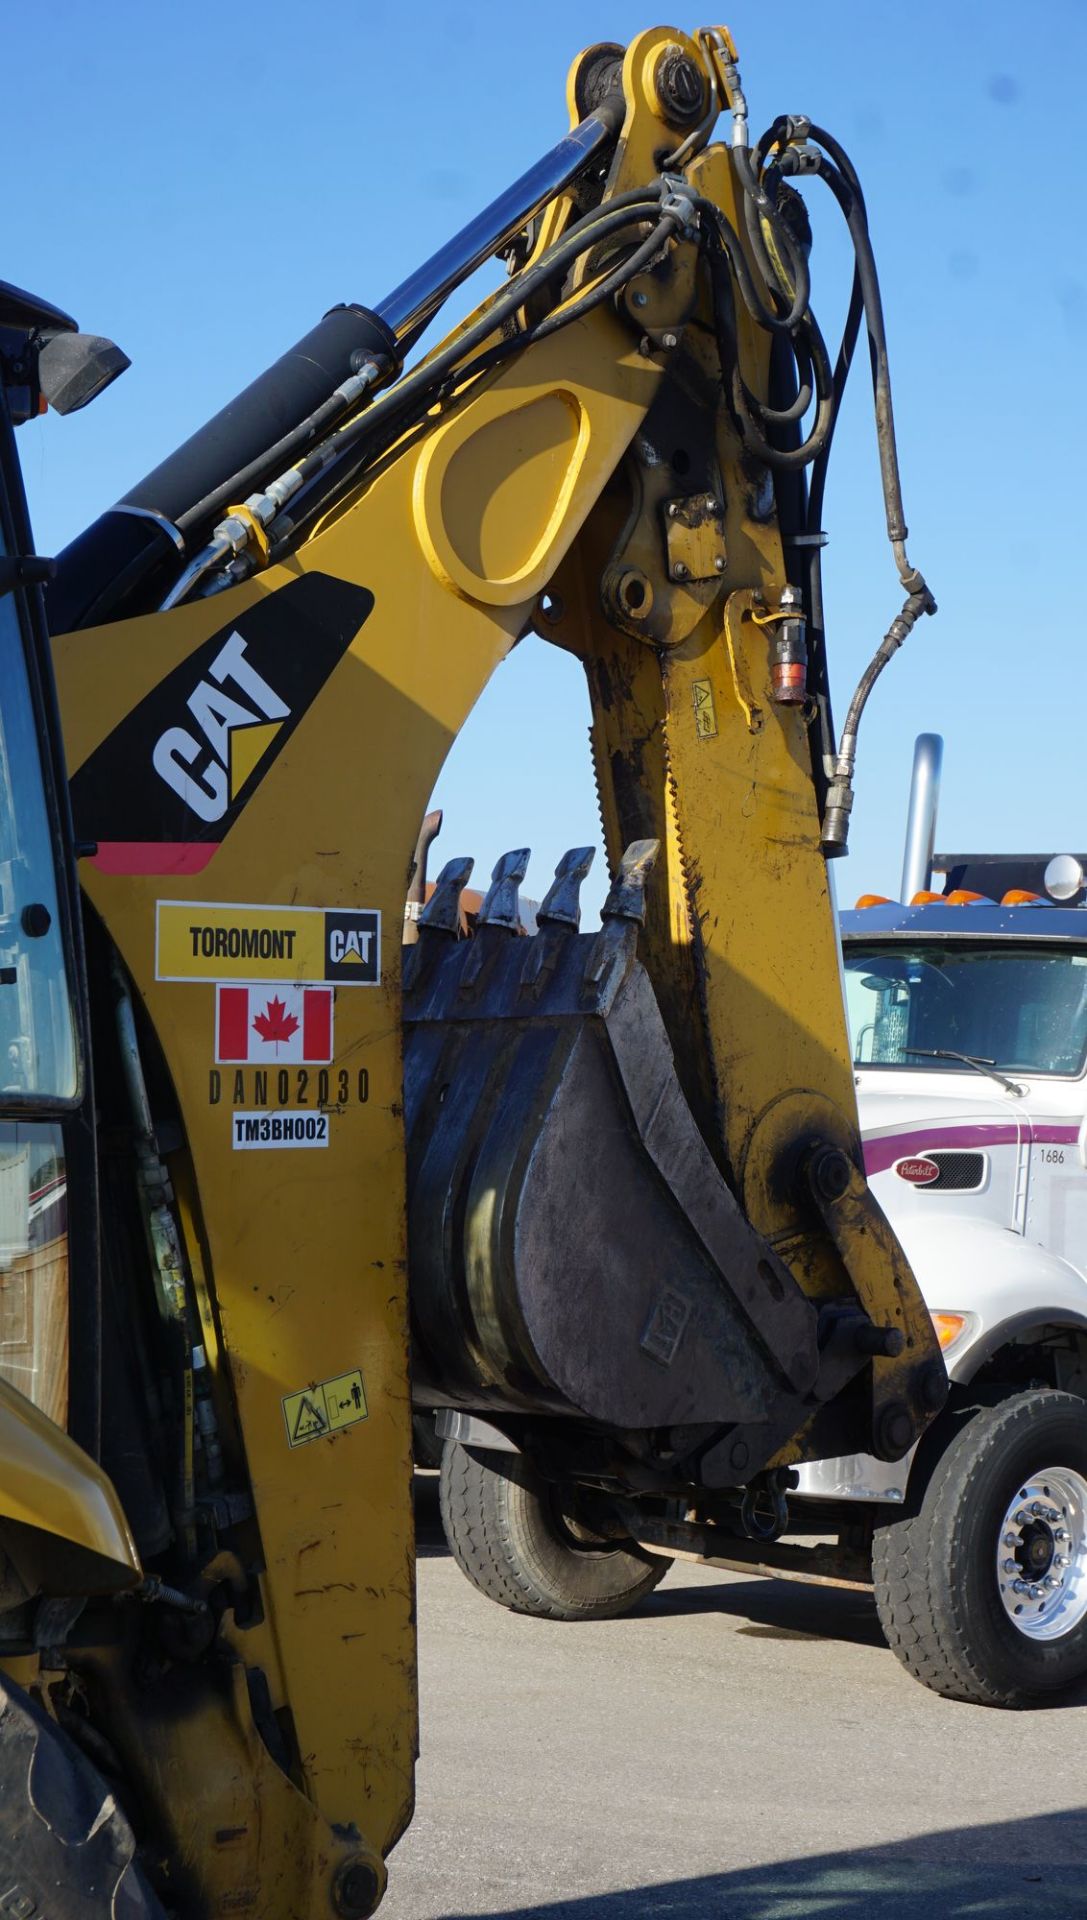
[928, 754]
[421, 294]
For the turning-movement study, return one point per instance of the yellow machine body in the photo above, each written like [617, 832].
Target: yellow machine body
[299, 1258]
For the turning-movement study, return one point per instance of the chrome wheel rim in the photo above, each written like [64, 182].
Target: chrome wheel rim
[1041, 1556]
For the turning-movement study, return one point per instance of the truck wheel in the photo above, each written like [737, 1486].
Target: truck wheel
[426, 1446]
[66, 1849]
[517, 1541]
[982, 1592]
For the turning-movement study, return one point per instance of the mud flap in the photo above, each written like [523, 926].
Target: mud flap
[66, 1850]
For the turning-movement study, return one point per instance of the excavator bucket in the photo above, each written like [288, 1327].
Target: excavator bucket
[574, 1249]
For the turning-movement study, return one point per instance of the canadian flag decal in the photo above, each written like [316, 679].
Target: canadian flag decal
[280, 1025]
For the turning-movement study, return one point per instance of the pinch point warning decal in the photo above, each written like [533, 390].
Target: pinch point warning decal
[325, 1409]
[705, 712]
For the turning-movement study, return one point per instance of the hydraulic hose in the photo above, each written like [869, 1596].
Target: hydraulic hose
[411, 397]
[838, 173]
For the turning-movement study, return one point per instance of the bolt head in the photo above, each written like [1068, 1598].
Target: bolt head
[680, 571]
[669, 340]
[711, 504]
[356, 1890]
[673, 510]
[830, 1173]
[719, 562]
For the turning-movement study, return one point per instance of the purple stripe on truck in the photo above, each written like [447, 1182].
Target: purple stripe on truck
[882, 1151]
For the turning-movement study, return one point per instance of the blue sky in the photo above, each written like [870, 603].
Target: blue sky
[204, 195]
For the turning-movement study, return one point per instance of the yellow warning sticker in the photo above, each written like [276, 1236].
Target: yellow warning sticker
[324, 1409]
[705, 713]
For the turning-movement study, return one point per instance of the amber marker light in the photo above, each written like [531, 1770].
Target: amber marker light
[948, 1328]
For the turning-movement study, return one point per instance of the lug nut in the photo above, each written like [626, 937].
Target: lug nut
[1011, 1566]
[1011, 1540]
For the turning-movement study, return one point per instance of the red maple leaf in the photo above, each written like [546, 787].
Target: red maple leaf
[275, 1023]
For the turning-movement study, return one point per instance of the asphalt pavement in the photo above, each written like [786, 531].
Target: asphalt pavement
[737, 1749]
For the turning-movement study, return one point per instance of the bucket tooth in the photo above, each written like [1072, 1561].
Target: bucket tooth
[498, 918]
[626, 900]
[561, 904]
[442, 911]
[439, 923]
[615, 948]
[558, 916]
[501, 905]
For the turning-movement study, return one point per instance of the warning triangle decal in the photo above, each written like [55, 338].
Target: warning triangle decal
[309, 1420]
[248, 745]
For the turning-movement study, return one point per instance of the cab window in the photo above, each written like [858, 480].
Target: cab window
[1013, 1008]
[38, 1059]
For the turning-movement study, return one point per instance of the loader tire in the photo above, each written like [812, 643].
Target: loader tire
[509, 1535]
[66, 1849]
[982, 1589]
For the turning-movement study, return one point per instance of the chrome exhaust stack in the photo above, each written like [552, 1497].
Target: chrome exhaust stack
[928, 755]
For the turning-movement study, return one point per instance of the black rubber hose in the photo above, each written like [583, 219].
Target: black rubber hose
[781, 458]
[283, 454]
[418, 390]
[803, 455]
[758, 207]
[805, 389]
[266, 466]
[853, 210]
[759, 311]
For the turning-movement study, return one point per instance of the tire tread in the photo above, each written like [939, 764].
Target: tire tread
[490, 1519]
[919, 1569]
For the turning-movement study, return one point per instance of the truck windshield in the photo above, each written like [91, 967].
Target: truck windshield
[37, 1032]
[1021, 1008]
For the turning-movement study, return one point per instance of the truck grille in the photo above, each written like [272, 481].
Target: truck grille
[959, 1172]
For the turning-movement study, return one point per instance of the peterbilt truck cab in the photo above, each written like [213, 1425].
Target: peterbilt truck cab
[968, 1018]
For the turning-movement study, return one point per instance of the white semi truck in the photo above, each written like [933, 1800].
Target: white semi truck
[968, 1011]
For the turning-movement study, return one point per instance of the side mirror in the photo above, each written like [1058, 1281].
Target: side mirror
[74, 368]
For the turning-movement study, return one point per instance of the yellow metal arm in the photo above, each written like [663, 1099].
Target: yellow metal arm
[254, 766]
